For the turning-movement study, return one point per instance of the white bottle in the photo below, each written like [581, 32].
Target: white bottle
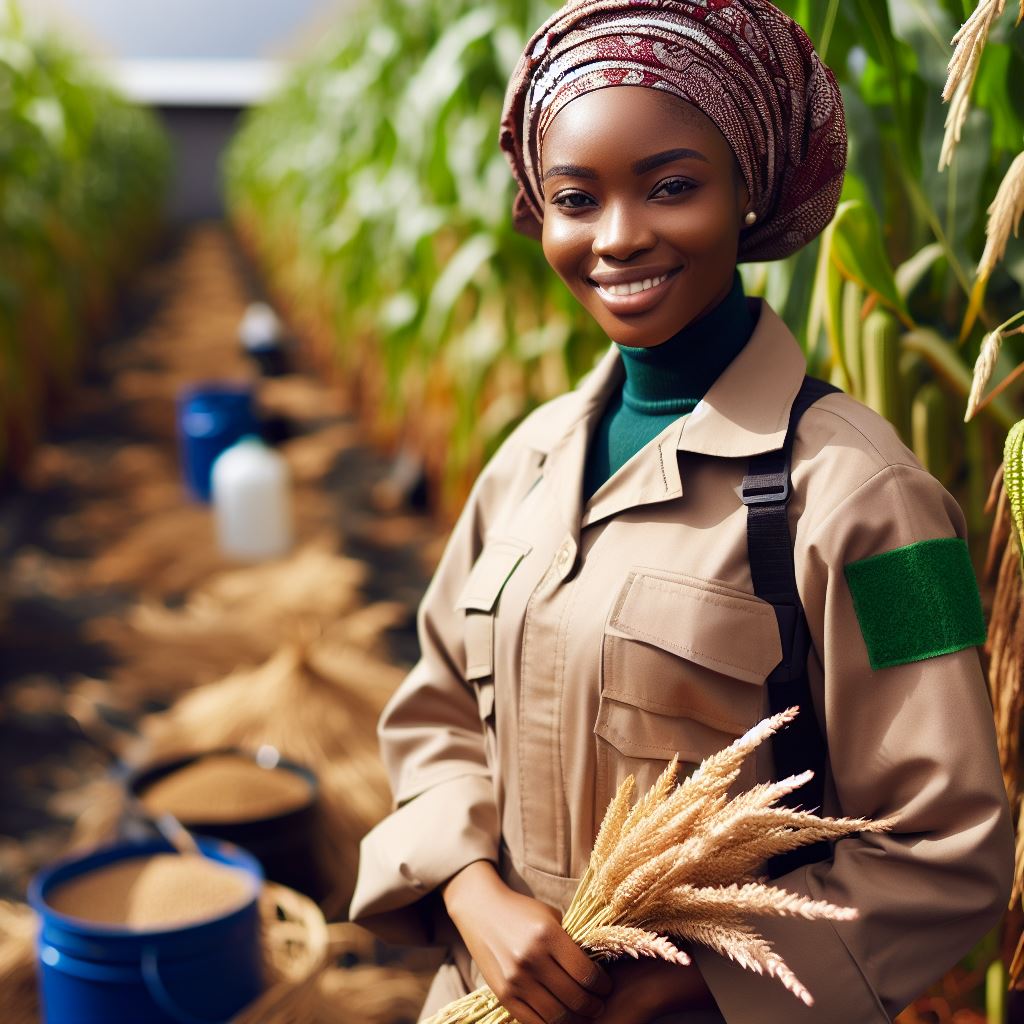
[259, 327]
[251, 492]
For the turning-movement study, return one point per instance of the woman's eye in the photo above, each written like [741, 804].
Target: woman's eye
[572, 200]
[672, 187]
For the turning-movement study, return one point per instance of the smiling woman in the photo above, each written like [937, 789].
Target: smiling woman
[646, 244]
[698, 532]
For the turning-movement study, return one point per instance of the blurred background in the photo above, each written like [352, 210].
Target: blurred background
[259, 256]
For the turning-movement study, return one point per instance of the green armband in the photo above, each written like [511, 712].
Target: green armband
[917, 601]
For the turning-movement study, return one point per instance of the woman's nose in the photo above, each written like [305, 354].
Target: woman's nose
[622, 233]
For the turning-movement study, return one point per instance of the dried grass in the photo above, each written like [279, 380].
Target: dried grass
[355, 995]
[681, 864]
[317, 703]
[19, 1003]
[1004, 654]
[240, 617]
[1004, 649]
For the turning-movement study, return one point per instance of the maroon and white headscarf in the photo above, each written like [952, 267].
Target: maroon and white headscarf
[750, 68]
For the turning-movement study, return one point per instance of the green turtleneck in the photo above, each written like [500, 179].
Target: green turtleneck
[665, 381]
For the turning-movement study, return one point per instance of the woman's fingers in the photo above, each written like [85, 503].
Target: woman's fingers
[579, 967]
[530, 995]
[534, 968]
[541, 983]
[569, 990]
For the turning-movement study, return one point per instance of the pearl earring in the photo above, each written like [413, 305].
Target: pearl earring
[750, 218]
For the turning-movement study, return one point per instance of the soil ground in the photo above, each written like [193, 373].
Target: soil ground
[103, 493]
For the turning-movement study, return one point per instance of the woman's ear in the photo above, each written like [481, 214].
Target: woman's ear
[523, 218]
[742, 192]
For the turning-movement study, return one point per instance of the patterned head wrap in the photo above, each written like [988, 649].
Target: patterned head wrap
[750, 68]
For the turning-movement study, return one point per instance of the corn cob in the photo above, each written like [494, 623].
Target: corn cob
[1013, 476]
[881, 348]
[929, 429]
[853, 300]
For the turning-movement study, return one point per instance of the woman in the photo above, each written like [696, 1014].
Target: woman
[593, 612]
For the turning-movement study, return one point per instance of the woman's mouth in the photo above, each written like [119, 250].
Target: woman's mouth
[636, 296]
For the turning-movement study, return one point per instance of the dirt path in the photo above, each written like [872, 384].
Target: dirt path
[102, 522]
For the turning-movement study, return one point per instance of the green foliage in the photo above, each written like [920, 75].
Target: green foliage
[80, 173]
[374, 188]
[912, 242]
[374, 191]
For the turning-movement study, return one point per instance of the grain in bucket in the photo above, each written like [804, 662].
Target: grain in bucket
[225, 787]
[263, 803]
[137, 932]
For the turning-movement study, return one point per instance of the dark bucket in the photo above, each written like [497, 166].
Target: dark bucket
[101, 974]
[282, 843]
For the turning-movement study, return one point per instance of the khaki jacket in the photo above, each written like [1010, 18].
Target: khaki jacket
[565, 646]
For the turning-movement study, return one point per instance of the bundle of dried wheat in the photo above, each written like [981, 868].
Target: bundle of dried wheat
[681, 864]
[318, 704]
[19, 1003]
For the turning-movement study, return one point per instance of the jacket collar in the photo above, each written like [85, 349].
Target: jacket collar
[746, 410]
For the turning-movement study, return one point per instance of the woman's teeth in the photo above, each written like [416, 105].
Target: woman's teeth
[634, 286]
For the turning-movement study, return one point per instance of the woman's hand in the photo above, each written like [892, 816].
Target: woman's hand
[537, 972]
[645, 989]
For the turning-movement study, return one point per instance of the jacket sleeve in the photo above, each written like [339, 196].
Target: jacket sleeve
[895, 674]
[444, 813]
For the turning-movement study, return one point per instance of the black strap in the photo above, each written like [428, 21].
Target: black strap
[800, 745]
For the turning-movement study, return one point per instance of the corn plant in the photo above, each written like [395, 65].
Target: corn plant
[81, 171]
[373, 191]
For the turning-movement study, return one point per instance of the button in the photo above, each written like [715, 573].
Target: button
[565, 558]
[407, 873]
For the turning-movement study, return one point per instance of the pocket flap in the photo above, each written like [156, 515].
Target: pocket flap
[716, 626]
[490, 573]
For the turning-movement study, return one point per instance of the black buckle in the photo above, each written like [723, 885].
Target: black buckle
[764, 488]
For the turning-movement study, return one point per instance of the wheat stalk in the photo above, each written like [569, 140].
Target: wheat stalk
[968, 45]
[1004, 215]
[681, 865]
[983, 367]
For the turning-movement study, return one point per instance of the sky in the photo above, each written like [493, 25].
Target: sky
[204, 29]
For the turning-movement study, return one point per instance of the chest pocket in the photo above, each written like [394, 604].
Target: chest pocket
[479, 599]
[684, 661]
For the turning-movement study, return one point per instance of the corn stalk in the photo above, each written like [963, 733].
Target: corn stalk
[80, 169]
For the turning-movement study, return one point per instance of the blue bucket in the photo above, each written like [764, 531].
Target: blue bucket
[202, 973]
[211, 418]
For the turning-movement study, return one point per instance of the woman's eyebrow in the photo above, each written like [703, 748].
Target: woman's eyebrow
[570, 171]
[650, 162]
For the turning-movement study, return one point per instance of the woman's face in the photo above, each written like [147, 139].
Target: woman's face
[643, 208]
